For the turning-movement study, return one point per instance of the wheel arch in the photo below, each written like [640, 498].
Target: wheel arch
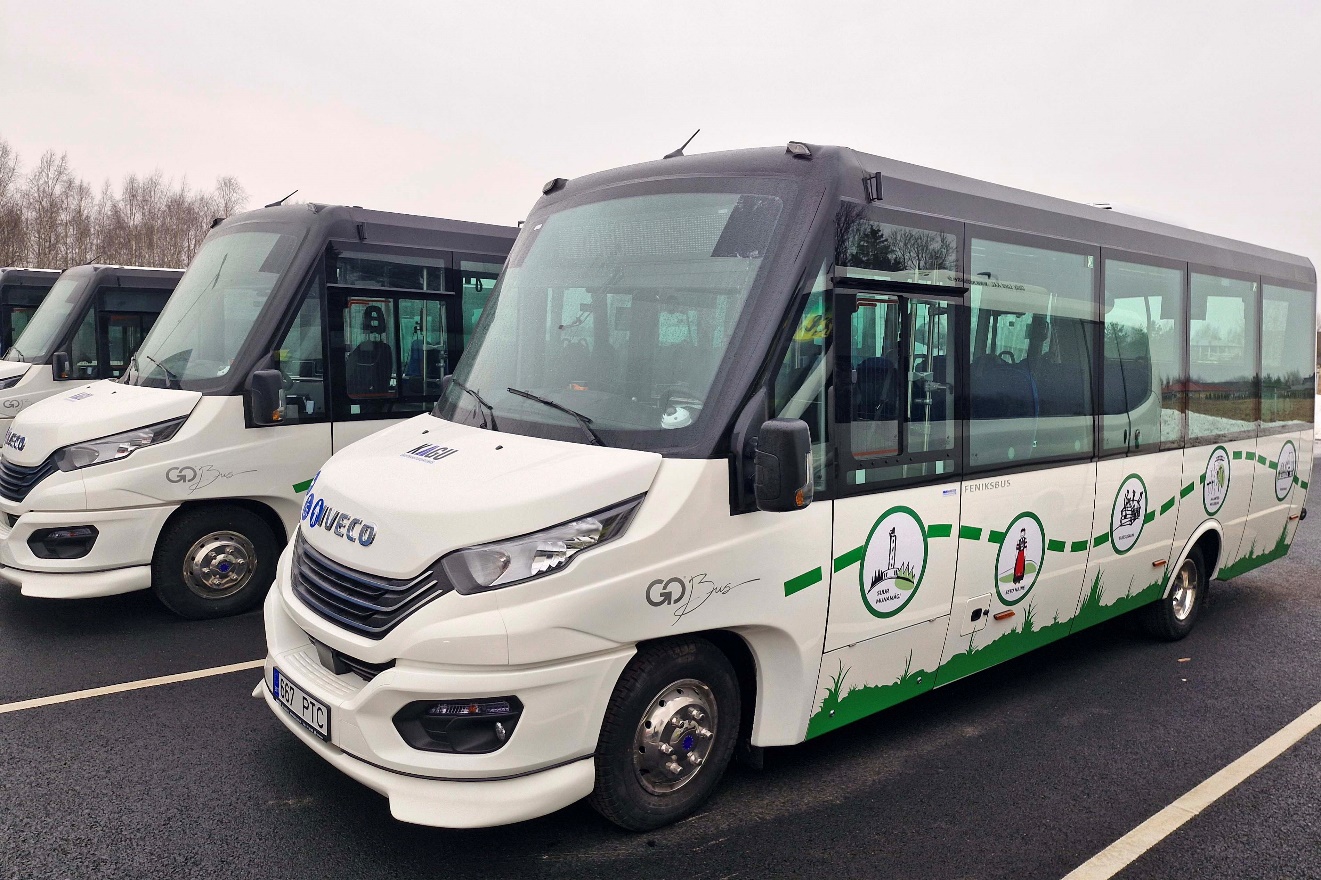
[266, 512]
[1209, 539]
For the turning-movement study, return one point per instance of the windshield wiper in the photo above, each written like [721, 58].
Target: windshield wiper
[480, 400]
[169, 374]
[582, 419]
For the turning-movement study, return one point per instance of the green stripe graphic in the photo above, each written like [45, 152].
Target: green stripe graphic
[1078, 546]
[303, 486]
[995, 537]
[1055, 546]
[844, 560]
[1188, 490]
[943, 530]
[802, 582]
[1100, 539]
[1168, 505]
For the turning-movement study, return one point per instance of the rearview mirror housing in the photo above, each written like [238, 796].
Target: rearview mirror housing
[783, 476]
[266, 397]
[60, 366]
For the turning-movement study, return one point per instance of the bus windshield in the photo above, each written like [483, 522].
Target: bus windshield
[612, 317]
[195, 340]
[42, 332]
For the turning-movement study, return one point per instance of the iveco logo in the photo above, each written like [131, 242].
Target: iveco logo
[15, 441]
[337, 522]
[430, 452]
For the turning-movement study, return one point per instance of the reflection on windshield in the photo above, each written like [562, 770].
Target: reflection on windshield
[42, 332]
[203, 326]
[620, 311]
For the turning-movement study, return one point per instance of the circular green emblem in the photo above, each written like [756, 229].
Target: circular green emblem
[1285, 470]
[1128, 515]
[1215, 483]
[1022, 553]
[893, 562]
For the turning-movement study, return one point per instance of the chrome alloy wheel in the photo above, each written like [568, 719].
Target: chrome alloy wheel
[1184, 595]
[219, 564]
[675, 736]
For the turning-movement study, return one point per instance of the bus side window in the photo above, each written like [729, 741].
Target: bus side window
[82, 351]
[800, 383]
[301, 358]
[1030, 369]
[1288, 371]
[369, 357]
[423, 347]
[1222, 349]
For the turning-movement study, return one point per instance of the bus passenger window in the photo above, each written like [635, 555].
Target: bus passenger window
[877, 377]
[1142, 365]
[1032, 328]
[302, 360]
[82, 353]
[423, 348]
[1222, 354]
[1288, 373]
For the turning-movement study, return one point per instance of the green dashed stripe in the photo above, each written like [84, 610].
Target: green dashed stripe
[1055, 546]
[995, 537]
[1188, 490]
[1238, 453]
[971, 533]
[1302, 483]
[1100, 539]
[1273, 465]
[1149, 518]
[802, 582]
[303, 486]
[1078, 546]
[943, 530]
[850, 558]
[1168, 505]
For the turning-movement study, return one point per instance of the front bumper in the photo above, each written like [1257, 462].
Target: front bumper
[545, 765]
[119, 561]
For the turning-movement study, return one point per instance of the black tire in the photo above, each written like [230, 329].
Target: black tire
[1169, 619]
[227, 527]
[621, 794]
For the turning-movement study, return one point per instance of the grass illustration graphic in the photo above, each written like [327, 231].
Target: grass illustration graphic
[905, 578]
[1254, 560]
[840, 707]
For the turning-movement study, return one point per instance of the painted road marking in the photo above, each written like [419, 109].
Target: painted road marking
[129, 686]
[1124, 851]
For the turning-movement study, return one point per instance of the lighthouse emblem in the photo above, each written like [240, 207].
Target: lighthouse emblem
[893, 561]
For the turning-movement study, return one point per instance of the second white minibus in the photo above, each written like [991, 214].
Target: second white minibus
[750, 445]
[295, 331]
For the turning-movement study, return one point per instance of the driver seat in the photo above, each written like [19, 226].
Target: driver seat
[370, 367]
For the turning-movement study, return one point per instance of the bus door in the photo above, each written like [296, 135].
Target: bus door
[124, 317]
[1139, 474]
[1027, 499]
[897, 446]
[390, 311]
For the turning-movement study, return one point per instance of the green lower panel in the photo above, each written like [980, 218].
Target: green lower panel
[841, 707]
[1006, 647]
[1255, 559]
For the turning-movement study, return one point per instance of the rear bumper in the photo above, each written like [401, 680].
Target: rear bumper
[450, 803]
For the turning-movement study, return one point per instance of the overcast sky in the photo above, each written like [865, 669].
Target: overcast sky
[1206, 111]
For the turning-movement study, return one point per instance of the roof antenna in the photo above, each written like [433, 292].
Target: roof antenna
[679, 152]
[282, 201]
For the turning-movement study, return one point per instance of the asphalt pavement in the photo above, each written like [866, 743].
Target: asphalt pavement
[1022, 771]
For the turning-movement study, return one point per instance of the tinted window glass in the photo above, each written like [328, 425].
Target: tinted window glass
[893, 252]
[301, 357]
[478, 279]
[1288, 357]
[82, 351]
[423, 346]
[402, 272]
[1142, 366]
[1222, 348]
[800, 383]
[369, 333]
[1030, 369]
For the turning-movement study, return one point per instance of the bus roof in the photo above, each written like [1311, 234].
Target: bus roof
[843, 173]
[384, 227]
[22, 274]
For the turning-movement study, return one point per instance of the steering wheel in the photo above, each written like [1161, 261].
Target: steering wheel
[1008, 357]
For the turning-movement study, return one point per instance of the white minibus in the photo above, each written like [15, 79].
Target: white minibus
[87, 327]
[21, 292]
[750, 445]
[295, 331]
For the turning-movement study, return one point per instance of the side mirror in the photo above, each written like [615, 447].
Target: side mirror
[266, 397]
[59, 366]
[784, 465]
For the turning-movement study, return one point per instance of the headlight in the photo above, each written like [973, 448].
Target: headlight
[10, 382]
[514, 560]
[116, 446]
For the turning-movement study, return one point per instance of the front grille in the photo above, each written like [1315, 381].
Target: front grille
[365, 604]
[16, 481]
[342, 664]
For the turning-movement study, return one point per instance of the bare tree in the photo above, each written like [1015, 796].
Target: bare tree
[13, 243]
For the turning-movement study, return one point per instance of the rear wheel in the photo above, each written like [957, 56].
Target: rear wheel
[669, 732]
[1174, 616]
[214, 562]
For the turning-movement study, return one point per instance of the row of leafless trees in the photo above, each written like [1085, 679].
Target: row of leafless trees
[50, 218]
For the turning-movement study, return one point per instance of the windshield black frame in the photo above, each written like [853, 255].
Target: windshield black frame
[743, 359]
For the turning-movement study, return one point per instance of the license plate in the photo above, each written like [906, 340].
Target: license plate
[314, 714]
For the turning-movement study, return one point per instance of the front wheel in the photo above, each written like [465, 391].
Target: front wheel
[668, 734]
[1174, 616]
[214, 562]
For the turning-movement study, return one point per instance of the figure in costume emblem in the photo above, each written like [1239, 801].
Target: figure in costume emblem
[1020, 561]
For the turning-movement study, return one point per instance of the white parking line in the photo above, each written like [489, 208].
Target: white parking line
[1120, 854]
[129, 686]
